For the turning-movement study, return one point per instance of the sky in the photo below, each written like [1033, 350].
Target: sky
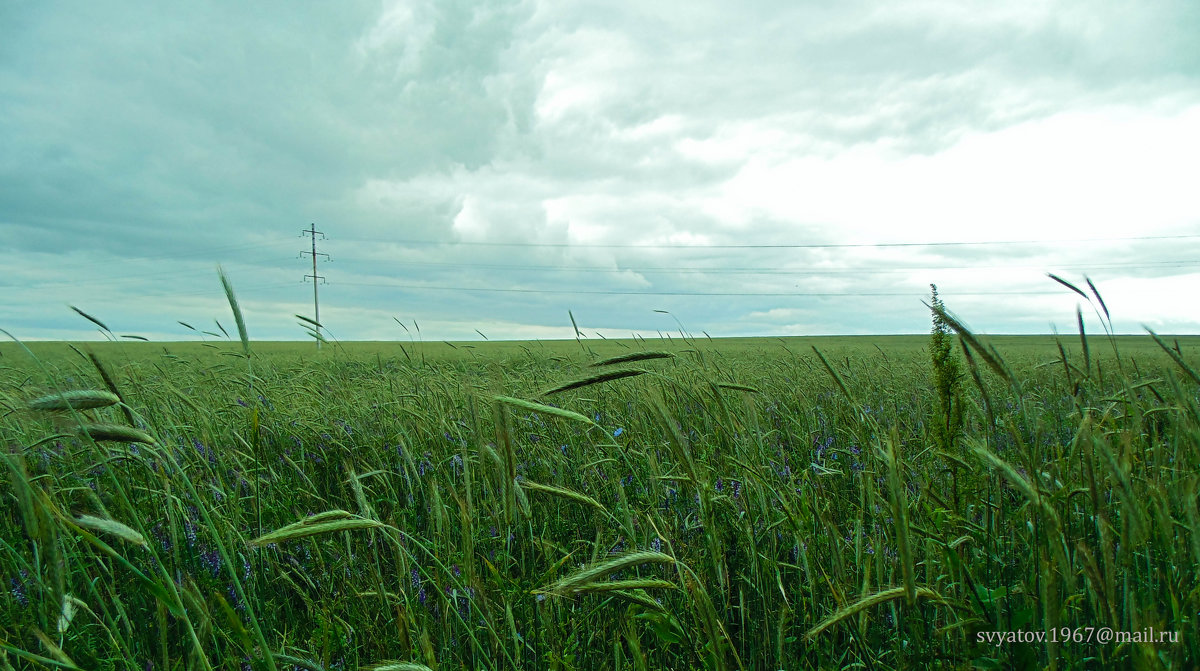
[479, 169]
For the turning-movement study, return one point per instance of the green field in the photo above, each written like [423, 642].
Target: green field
[732, 503]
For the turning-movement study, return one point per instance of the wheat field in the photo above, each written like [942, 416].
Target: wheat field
[684, 503]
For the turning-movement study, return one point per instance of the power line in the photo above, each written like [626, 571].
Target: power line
[213, 253]
[776, 246]
[693, 293]
[780, 270]
[109, 280]
[177, 273]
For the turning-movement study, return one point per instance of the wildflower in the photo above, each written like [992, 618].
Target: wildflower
[618, 432]
[18, 588]
[235, 600]
[161, 535]
[656, 544]
[211, 559]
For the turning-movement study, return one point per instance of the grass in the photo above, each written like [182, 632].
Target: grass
[749, 503]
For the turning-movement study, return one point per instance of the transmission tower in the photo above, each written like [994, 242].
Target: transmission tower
[312, 233]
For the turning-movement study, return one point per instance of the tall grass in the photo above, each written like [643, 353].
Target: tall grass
[712, 509]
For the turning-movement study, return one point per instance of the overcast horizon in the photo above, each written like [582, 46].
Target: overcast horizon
[774, 169]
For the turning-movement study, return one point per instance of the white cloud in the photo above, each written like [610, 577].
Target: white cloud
[604, 124]
[1108, 173]
[400, 36]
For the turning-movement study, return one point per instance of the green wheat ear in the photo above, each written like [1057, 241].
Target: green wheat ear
[78, 399]
[322, 523]
[582, 579]
[237, 310]
[397, 666]
[116, 433]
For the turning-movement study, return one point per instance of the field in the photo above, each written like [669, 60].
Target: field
[798, 503]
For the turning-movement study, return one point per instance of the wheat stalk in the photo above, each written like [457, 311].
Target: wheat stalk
[77, 399]
[867, 602]
[113, 527]
[116, 433]
[544, 409]
[322, 523]
[563, 492]
[580, 580]
[594, 379]
[636, 356]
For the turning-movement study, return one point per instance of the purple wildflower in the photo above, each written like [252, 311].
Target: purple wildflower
[211, 559]
[18, 588]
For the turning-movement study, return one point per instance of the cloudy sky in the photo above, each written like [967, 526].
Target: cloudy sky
[753, 168]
